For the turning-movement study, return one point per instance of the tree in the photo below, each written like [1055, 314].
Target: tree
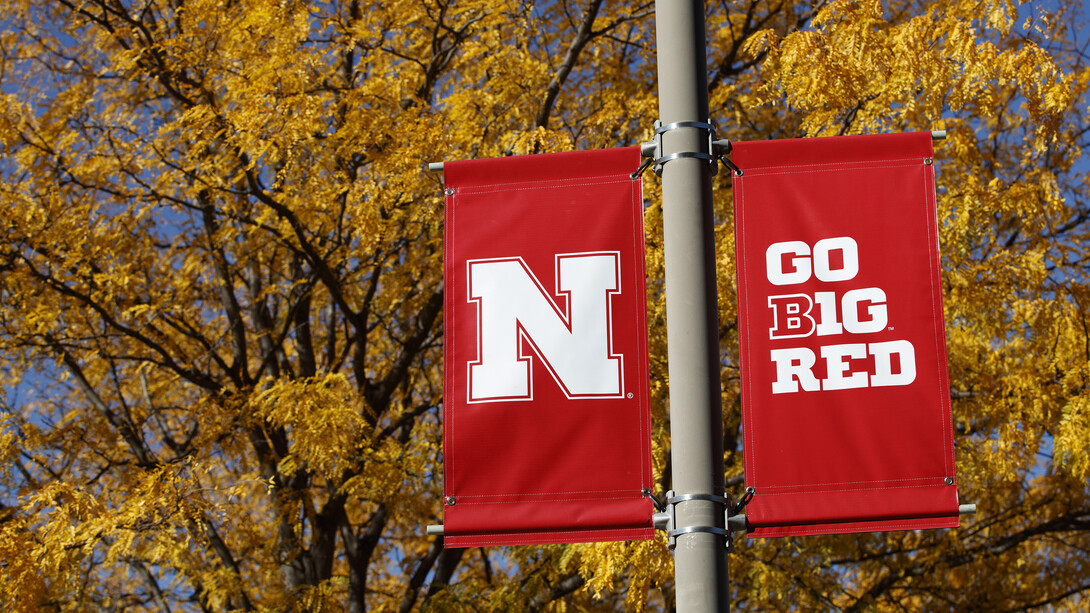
[220, 301]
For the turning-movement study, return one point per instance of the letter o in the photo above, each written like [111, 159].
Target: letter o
[822, 267]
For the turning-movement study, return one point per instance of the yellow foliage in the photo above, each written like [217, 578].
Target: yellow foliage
[220, 290]
[322, 415]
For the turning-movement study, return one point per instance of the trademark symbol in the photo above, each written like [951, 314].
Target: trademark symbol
[890, 328]
[631, 395]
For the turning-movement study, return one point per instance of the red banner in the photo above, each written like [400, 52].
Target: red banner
[546, 421]
[845, 397]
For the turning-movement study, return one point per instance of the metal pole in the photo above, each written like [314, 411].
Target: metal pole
[696, 431]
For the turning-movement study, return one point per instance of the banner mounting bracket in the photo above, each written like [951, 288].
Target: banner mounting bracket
[667, 520]
[654, 148]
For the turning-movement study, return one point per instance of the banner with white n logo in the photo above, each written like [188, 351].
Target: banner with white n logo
[546, 421]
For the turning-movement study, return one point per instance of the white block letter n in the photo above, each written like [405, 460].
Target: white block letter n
[516, 316]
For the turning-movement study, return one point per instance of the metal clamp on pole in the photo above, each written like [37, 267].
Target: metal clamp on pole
[668, 519]
[660, 130]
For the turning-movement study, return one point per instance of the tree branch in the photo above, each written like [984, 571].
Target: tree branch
[582, 37]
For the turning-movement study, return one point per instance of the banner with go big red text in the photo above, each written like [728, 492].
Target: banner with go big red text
[546, 422]
[845, 395]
